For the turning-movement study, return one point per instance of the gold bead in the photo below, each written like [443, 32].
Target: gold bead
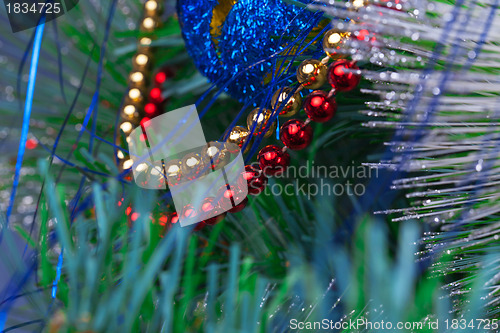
[192, 166]
[357, 4]
[238, 136]
[173, 172]
[260, 117]
[149, 23]
[214, 155]
[135, 94]
[141, 167]
[335, 40]
[128, 164]
[142, 175]
[145, 41]
[312, 74]
[151, 5]
[141, 60]
[129, 110]
[126, 127]
[137, 78]
[293, 104]
[155, 177]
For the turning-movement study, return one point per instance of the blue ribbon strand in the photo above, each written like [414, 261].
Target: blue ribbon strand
[58, 274]
[27, 111]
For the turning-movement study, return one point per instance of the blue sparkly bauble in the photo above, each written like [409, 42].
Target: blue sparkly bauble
[236, 42]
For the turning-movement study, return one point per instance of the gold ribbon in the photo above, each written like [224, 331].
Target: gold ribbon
[219, 15]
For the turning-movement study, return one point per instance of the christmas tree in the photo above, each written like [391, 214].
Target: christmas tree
[368, 195]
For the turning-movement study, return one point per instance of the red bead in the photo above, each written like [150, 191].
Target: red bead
[163, 220]
[150, 108]
[319, 107]
[155, 94]
[296, 134]
[189, 212]
[273, 160]
[160, 77]
[134, 216]
[341, 77]
[174, 218]
[240, 206]
[256, 179]
[229, 197]
[167, 221]
[209, 206]
[31, 143]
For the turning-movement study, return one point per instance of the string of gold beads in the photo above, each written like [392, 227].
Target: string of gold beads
[132, 111]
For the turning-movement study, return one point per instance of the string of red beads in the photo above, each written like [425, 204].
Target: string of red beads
[295, 134]
[319, 106]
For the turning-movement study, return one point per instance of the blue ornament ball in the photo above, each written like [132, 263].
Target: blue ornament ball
[239, 44]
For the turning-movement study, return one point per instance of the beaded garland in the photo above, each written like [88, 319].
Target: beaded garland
[319, 106]
[138, 107]
[213, 33]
